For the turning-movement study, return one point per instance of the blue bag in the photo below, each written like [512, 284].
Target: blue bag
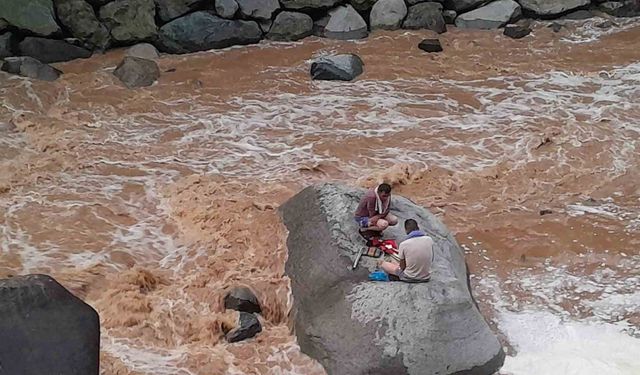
[378, 276]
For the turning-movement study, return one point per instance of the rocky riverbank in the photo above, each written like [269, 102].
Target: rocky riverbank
[61, 30]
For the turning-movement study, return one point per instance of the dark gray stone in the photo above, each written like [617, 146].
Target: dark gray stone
[362, 5]
[143, 51]
[8, 45]
[248, 327]
[29, 67]
[172, 9]
[626, 8]
[51, 50]
[337, 68]
[551, 7]
[607, 24]
[345, 23]
[258, 9]
[463, 5]
[516, 31]
[130, 21]
[36, 16]
[242, 299]
[309, 5]
[226, 8]
[425, 16]
[353, 326]
[201, 31]
[491, 16]
[449, 16]
[80, 19]
[136, 72]
[579, 15]
[319, 25]
[430, 45]
[290, 26]
[556, 27]
[45, 329]
[388, 14]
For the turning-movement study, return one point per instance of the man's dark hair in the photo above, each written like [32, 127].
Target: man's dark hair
[384, 188]
[411, 225]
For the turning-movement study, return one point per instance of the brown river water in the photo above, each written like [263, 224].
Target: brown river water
[151, 203]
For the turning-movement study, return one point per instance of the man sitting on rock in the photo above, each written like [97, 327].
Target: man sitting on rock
[373, 211]
[415, 254]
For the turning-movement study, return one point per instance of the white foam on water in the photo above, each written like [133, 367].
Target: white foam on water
[587, 31]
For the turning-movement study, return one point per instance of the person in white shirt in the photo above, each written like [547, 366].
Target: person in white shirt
[415, 254]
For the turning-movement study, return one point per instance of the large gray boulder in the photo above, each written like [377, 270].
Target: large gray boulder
[258, 9]
[345, 23]
[51, 50]
[130, 21]
[136, 72]
[353, 326]
[388, 14]
[226, 8]
[425, 16]
[551, 7]
[172, 9]
[290, 26]
[309, 5]
[36, 16]
[625, 8]
[490, 16]
[202, 31]
[45, 329]
[29, 67]
[8, 44]
[337, 68]
[463, 5]
[80, 19]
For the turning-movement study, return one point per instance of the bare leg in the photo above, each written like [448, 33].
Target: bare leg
[391, 219]
[379, 226]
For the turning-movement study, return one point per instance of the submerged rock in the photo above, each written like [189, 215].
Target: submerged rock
[136, 72]
[290, 26]
[79, 17]
[353, 326]
[388, 14]
[426, 16]
[516, 31]
[202, 31]
[430, 45]
[337, 68]
[29, 67]
[130, 21]
[36, 16]
[248, 327]
[490, 16]
[345, 23]
[51, 50]
[551, 7]
[242, 299]
[45, 329]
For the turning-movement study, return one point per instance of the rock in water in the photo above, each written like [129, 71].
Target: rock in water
[29, 67]
[353, 326]
[45, 329]
[290, 26]
[172, 9]
[50, 50]
[136, 72]
[226, 8]
[462, 5]
[8, 43]
[242, 299]
[78, 16]
[579, 15]
[426, 16]
[258, 9]
[430, 45]
[491, 16]
[143, 51]
[202, 31]
[345, 23]
[551, 7]
[248, 327]
[309, 5]
[337, 68]
[388, 14]
[130, 21]
[516, 31]
[36, 16]
[625, 8]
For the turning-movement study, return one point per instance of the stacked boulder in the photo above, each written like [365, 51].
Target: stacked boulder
[61, 30]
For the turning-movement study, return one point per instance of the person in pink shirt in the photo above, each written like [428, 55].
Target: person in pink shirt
[372, 213]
